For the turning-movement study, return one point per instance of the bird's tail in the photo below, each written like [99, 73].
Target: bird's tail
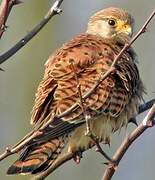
[36, 158]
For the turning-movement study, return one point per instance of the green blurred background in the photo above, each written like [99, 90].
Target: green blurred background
[24, 70]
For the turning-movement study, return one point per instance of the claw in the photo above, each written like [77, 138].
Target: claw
[77, 157]
[134, 121]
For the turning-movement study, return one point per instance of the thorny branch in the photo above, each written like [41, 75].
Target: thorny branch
[52, 12]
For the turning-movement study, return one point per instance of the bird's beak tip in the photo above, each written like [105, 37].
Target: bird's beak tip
[128, 31]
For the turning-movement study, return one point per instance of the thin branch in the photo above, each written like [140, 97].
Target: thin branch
[146, 123]
[5, 8]
[20, 145]
[146, 106]
[26, 140]
[52, 12]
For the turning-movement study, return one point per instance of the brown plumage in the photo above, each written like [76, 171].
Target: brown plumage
[110, 105]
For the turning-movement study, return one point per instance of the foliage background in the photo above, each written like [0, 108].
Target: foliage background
[24, 70]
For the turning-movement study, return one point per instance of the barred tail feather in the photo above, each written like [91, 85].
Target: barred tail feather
[37, 158]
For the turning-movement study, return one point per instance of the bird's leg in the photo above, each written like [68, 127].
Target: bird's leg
[87, 117]
[95, 139]
[88, 129]
[81, 101]
[110, 162]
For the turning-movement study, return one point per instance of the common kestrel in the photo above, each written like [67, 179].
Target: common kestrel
[80, 63]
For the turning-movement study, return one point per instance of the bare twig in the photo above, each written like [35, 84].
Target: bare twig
[147, 123]
[145, 106]
[53, 11]
[5, 8]
[26, 140]
[20, 145]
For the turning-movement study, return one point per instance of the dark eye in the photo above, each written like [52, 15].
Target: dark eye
[111, 22]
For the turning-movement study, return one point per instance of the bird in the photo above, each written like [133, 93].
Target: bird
[72, 100]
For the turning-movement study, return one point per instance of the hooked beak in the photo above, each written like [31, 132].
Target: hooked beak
[124, 28]
[128, 30]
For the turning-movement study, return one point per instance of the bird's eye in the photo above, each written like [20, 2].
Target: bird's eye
[111, 22]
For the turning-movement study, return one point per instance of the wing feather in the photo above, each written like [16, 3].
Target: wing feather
[91, 56]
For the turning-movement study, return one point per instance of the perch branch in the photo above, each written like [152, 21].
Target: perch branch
[5, 8]
[146, 123]
[52, 12]
[26, 140]
[69, 156]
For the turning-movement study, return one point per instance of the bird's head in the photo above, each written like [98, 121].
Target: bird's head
[111, 22]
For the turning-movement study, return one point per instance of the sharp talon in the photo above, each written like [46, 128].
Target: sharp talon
[97, 150]
[77, 157]
[133, 120]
